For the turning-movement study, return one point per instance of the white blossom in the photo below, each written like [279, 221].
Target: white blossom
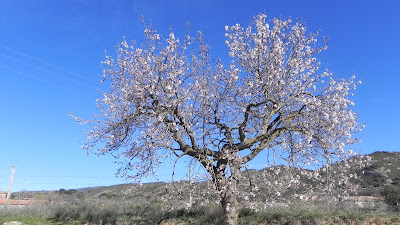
[169, 97]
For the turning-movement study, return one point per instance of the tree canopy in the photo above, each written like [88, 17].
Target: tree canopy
[168, 97]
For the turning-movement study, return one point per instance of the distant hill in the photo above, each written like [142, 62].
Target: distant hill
[382, 171]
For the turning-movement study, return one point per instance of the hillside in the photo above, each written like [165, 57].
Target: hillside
[381, 172]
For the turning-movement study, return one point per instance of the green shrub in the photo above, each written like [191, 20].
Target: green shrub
[67, 192]
[108, 195]
[392, 196]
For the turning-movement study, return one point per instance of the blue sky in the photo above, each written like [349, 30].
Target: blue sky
[50, 54]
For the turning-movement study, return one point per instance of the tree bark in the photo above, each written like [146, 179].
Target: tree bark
[230, 208]
[227, 186]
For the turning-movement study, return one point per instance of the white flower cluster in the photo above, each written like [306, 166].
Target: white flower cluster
[169, 97]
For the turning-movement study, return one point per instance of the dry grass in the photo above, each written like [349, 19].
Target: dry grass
[111, 211]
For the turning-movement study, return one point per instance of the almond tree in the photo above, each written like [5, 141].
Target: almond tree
[270, 184]
[169, 98]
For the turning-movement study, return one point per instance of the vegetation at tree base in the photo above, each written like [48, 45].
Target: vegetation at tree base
[142, 204]
[128, 212]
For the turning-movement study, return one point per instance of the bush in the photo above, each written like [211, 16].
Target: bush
[87, 212]
[67, 192]
[108, 195]
[392, 196]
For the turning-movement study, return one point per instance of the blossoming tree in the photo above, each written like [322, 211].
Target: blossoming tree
[169, 98]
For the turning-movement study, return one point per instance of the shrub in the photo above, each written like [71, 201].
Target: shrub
[67, 192]
[392, 196]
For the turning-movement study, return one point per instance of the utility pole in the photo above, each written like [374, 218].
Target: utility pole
[11, 184]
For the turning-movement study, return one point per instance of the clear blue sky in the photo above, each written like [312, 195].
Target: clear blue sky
[38, 137]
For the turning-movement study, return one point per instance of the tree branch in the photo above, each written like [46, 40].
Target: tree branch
[242, 126]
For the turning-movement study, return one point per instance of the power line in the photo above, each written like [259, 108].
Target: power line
[44, 81]
[47, 71]
[49, 64]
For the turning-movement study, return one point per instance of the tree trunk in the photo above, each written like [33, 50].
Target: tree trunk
[227, 188]
[229, 196]
[230, 206]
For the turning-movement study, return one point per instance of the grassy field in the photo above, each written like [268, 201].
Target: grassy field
[112, 212]
[141, 204]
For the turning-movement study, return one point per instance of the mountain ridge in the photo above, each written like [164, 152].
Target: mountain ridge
[382, 171]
